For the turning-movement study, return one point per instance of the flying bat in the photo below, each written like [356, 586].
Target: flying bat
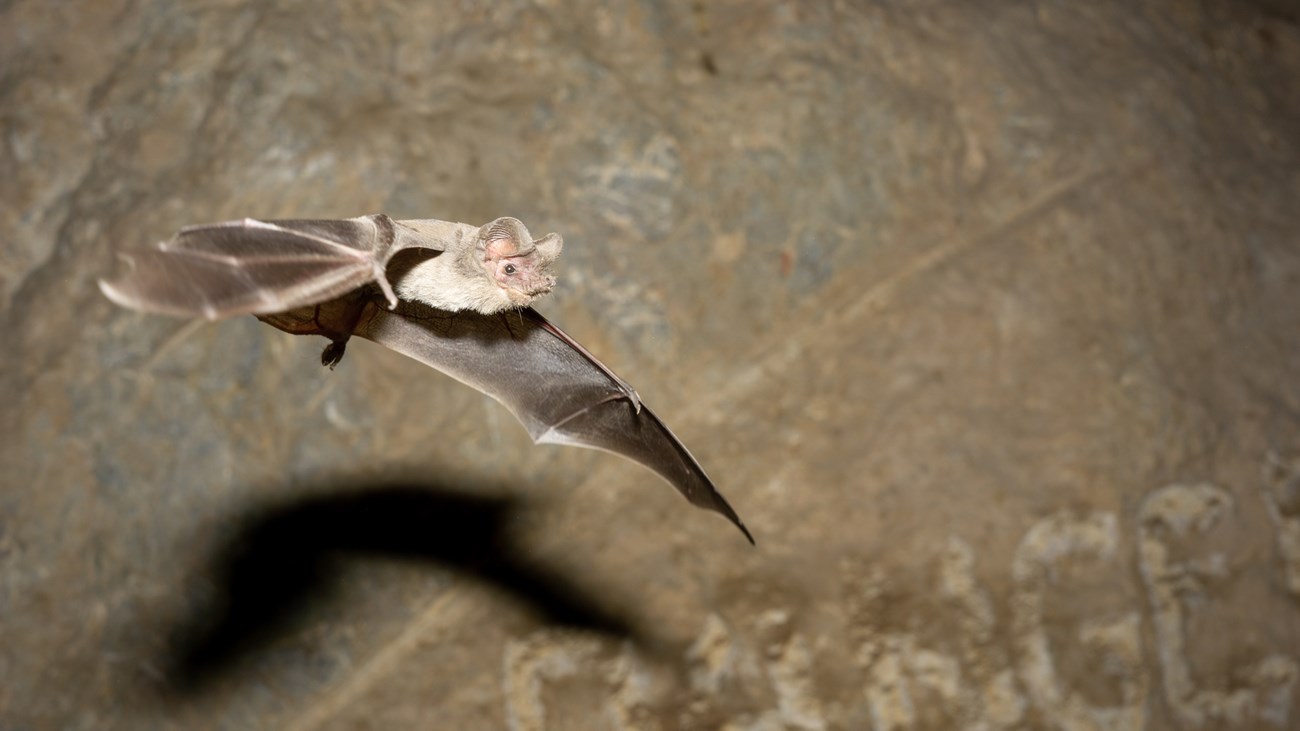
[453, 296]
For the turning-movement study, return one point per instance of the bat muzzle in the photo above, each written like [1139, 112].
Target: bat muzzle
[525, 297]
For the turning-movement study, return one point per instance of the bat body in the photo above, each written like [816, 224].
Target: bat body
[253, 267]
[453, 296]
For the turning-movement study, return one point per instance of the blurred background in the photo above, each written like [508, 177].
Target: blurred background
[982, 315]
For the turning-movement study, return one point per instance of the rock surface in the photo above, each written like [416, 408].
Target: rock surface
[983, 315]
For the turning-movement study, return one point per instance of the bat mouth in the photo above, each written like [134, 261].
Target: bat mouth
[547, 285]
[526, 295]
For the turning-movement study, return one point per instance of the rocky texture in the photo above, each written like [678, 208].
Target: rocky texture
[984, 315]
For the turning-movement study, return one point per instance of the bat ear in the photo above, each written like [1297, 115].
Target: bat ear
[504, 237]
[549, 246]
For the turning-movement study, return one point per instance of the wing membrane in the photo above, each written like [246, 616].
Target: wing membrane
[253, 267]
[561, 394]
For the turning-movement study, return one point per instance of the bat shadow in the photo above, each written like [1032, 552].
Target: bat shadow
[286, 558]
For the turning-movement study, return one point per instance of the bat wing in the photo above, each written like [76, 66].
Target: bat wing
[260, 267]
[561, 393]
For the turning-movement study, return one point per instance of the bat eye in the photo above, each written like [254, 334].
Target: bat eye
[510, 269]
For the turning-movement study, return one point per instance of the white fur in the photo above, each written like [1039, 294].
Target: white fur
[438, 282]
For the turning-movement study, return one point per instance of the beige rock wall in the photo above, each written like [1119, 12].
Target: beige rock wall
[984, 315]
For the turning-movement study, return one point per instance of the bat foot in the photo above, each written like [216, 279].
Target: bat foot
[333, 353]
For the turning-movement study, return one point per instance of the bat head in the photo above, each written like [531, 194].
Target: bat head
[516, 263]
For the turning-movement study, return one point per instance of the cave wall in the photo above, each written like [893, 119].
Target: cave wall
[983, 315]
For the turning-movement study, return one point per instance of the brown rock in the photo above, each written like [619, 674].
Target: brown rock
[983, 315]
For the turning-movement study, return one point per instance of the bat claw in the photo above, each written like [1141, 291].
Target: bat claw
[333, 353]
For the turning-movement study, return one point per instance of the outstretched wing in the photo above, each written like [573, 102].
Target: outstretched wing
[260, 267]
[560, 392]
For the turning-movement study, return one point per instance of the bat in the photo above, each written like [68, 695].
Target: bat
[453, 296]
